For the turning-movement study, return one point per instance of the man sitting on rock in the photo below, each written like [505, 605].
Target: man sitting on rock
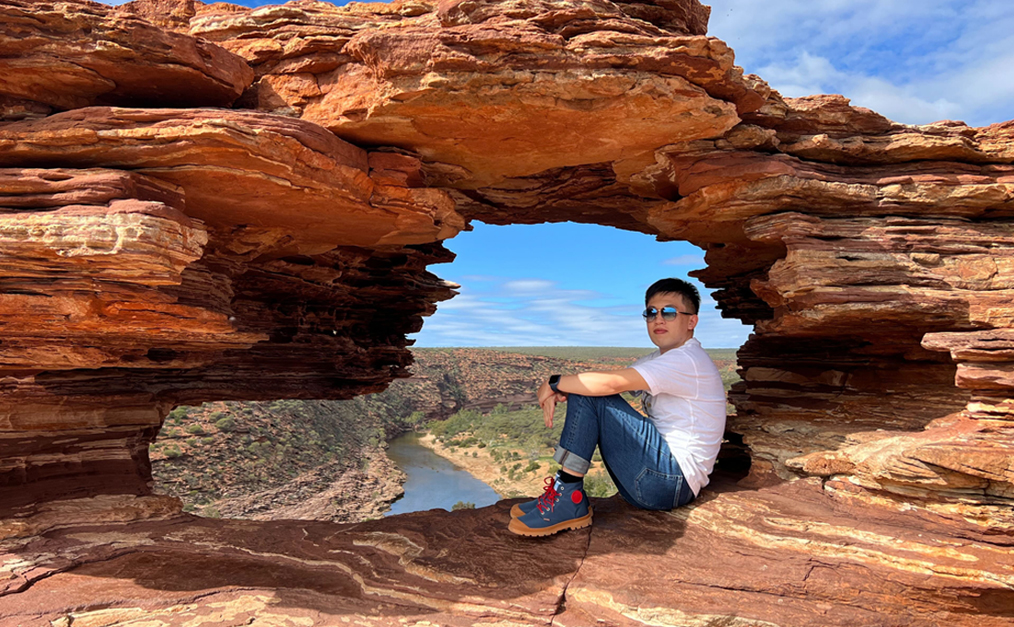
[658, 463]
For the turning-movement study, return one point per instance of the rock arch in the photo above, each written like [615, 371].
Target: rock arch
[278, 248]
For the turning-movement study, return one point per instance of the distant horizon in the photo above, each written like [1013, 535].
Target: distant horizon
[632, 348]
[574, 346]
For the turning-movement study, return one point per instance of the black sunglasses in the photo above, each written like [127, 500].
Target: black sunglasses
[668, 313]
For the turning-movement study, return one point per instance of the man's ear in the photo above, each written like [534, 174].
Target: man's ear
[693, 322]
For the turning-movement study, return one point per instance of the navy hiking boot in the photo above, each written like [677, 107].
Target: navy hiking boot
[562, 506]
[520, 509]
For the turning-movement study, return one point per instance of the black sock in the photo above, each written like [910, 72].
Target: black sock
[566, 477]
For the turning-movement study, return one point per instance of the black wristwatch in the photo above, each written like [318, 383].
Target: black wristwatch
[553, 382]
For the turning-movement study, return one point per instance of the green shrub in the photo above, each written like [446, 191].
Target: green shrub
[599, 485]
[207, 441]
[172, 452]
[225, 423]
[195, 429]
[532, 466]
[462, 505]
[179, 413]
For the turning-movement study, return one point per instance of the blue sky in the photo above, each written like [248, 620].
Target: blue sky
[915, 61]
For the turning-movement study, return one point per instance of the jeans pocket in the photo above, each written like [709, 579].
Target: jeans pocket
[657, 490]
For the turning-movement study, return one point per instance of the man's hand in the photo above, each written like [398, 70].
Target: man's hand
[547, 401]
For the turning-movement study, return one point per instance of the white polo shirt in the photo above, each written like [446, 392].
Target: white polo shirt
[686, 401]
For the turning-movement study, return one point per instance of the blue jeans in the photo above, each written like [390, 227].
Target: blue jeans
[634, 452]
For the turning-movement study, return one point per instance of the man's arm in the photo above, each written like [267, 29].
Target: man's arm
[604, 383]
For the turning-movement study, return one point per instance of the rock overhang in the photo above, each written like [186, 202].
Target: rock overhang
[264, 162]
[60, 56]
[499, 93]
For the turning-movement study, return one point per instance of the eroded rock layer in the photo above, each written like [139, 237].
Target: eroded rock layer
[156, 250]
[63, 55]
[572, 83]
[153, 257]
[793, 554]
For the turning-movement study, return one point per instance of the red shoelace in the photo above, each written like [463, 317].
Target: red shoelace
[548, 499]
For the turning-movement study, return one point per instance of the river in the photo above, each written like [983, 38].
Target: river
[433, 482]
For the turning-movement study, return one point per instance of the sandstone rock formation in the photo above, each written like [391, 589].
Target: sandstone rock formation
[59, 56]
[791, 555]
[153, 256]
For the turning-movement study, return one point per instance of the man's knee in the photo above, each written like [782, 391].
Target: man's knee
[592, 400]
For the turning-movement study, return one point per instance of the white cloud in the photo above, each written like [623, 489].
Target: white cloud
[902, 103]
[528, 285]
[811, 74]
[915, 61]
[686, 260]
[472, 278]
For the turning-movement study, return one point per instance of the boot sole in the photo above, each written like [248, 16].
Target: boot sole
[517, 512]
[522, 529]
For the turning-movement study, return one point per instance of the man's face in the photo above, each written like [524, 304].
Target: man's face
[669, 334]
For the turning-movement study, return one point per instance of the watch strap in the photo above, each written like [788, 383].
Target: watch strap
[553, 382]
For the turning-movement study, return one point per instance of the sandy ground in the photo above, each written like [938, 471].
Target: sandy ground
[485, 469]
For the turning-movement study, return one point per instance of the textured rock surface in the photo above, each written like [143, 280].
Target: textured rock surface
[794, 554]
[151, 257]
[264, 161]
[117, 305]
[68, 54]
[496, 89]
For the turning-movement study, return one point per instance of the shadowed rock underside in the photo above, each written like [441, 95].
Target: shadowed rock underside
[208, 202]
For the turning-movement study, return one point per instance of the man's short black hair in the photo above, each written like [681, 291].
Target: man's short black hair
[675, 286]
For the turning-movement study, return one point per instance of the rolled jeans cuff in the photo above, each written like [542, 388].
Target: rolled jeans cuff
[571, 462]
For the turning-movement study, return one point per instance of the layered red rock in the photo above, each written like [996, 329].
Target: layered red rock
[793, 554]
[845, 260]
[158, 276]
[496, 90]
[74, 53]
[118, 306]
[263, 161]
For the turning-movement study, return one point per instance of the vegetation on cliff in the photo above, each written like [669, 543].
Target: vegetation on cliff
[224, 452]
